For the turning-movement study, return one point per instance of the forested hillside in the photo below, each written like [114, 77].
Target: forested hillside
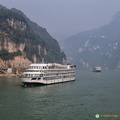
[23, 41]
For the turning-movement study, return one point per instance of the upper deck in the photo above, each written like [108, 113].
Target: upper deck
[36, 66]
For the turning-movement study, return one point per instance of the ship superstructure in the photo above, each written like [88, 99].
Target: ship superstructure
[48, 73]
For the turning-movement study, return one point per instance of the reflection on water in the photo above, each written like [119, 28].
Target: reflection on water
[91, 94]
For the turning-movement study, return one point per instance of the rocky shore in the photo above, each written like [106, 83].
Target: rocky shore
[20, 74]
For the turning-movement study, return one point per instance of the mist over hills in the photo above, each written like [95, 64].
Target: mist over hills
[97, 47]
[23, 41]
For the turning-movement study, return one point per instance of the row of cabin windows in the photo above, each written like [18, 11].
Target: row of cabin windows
[51, 71]
[45, 67]
[58, 77]
[34, 75]
[38, 67]
[36, 79]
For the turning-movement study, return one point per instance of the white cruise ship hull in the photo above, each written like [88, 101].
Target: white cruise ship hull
[29, 81]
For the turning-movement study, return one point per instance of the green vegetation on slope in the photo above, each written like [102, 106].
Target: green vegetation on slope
[5, 55]
[33, 36]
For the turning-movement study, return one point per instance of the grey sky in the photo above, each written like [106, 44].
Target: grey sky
[63, 18]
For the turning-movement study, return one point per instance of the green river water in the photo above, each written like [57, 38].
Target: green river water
[91, 94]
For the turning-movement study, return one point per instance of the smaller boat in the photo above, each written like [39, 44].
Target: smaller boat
[96, 69]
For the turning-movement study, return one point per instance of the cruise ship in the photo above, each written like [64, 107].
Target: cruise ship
[48, 73]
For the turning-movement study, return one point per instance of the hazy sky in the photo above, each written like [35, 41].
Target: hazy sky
[63, 18]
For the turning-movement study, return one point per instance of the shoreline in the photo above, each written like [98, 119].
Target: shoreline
[11, 74]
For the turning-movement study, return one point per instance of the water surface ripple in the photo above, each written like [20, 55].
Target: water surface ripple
[91, 94]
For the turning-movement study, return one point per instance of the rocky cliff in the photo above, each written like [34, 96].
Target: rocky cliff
[97, 47]
[23, 41]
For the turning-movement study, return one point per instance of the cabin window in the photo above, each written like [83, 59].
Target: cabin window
[28, 75]
[33, 79]
[41, 75]
[39, 78]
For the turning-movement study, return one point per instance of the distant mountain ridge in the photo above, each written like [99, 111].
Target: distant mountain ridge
[23, 41]
[97, 47]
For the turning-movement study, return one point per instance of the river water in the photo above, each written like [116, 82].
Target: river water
[91, 94]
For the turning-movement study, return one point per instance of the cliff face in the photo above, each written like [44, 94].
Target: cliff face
[16, 61]
[23, 42]
[97, 47]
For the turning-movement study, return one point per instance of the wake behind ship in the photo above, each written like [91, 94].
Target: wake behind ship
[48, 73]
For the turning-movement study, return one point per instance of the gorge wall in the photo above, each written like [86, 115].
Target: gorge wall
[23, 42]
